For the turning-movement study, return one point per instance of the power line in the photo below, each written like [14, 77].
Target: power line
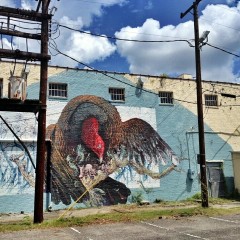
[147, 41]
[131, 32]
[229, 9]
[126, 39]
[223, 50]
[107, 75]
[214, 23]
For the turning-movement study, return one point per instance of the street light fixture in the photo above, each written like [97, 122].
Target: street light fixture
[204, 36]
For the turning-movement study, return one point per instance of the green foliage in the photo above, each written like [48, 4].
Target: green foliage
[137, 198]
[158, 200]
[164, 75]
[126, 213]
[196, 196]
[235, 195]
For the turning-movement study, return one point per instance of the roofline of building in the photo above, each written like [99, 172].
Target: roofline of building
[122, 73]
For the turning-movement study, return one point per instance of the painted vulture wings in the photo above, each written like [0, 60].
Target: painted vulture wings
[90, 142]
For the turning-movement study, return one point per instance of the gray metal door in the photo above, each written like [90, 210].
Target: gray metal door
[216, 180]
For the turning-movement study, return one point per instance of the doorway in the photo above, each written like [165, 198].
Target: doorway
[216, 180]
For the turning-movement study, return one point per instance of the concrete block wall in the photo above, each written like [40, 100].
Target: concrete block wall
[176, 124]
[223, 119]
[33, 76]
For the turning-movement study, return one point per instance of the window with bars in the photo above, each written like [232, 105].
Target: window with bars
[211, 100]
[57, 90]
[117, 94]
[166, 97]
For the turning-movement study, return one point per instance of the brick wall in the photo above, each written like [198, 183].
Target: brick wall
[176, 123]
[224, 119]
[33, 76]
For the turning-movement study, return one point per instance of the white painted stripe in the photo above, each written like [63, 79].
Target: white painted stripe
[187, 234]
[75, 230]
[155, 225]
[224, 220]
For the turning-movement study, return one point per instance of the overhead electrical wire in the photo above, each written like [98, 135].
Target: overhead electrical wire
[132, 40]
[107, 75]
[147, 41]
[126, 39]
[223, 50]
[214, 23]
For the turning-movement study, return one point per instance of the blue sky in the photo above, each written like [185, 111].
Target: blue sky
[144, 20]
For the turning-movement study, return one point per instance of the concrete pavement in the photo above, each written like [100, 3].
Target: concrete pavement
[185, 228]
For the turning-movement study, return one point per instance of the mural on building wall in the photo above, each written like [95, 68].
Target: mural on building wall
[17, 173]
[90, 143]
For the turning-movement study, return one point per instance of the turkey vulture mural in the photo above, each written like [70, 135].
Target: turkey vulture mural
[90, 142]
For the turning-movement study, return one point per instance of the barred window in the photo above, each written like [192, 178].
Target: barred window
[57, 90]
[117, 94]
[211, 100]
[166, 97]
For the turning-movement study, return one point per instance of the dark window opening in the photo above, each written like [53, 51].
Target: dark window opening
[211, 100]
[166, 97]
[58, 90]
[117, 94]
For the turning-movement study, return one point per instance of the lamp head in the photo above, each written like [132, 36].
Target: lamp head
[204, 36]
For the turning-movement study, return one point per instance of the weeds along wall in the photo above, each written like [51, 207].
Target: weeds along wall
[117, 138]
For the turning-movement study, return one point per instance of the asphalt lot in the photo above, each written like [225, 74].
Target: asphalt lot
[181, 228]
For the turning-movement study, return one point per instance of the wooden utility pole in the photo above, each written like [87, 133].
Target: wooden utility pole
[16, 105]
[41, 148]
[201, 156]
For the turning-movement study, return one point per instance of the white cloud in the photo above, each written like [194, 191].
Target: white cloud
[152, 58]
[6, 43]
[156, 58]
[86, 48]
[87, 10]
[8, 3]
[177, 58]
[27, 4]
[82, 47]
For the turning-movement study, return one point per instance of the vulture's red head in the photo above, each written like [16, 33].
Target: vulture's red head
[91, 138]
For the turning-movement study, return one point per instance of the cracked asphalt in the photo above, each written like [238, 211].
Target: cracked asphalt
[181, 228]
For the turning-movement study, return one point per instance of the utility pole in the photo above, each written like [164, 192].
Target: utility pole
[41, 147]
[28, 105]
[201, 156]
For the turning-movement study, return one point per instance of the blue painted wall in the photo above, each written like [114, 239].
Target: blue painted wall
[175, 124]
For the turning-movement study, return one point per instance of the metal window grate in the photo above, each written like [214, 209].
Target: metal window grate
[211, 100]
[57, 90]
[117, 94]
[166, 97]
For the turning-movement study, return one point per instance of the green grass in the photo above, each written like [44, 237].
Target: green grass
[197, 198]
[125, 213]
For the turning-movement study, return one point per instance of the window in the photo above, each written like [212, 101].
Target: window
[117, 94]
[166, 97]
[58, 90]
[211, 100]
